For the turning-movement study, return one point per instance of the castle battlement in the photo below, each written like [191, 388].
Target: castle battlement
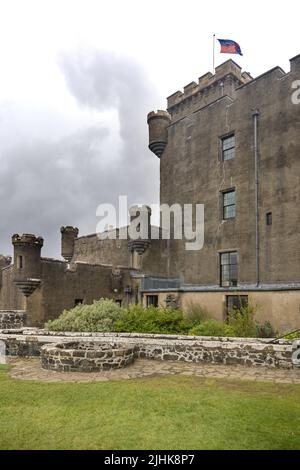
[227, 79]
[228, 76]
[69, 229]
[158, 114]
[27, 239]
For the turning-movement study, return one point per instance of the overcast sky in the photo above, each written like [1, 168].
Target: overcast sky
[77, 79]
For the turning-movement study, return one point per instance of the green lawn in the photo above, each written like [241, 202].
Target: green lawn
[175, 412]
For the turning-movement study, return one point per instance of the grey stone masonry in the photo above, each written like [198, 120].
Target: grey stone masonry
[87, 356]
[239, 351]
[12, 319]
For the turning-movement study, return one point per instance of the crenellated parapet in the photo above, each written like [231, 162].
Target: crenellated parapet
[210, 87]
[27, 240]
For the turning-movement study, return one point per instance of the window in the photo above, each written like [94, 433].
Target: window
[152, 300]
[119, 302]
[229, 269]
[78, 302]
[229, 210]
[228, 147]
[236, 302]
[20, 262]
[269, 218]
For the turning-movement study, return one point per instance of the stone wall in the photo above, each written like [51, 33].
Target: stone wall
[243, 351]
[218, 352]
[12, 319]
[91, 249]
[11, 298]
[87, 356]
[192, 171]
[61, 287]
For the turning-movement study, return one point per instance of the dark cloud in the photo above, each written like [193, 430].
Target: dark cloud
[46, 183]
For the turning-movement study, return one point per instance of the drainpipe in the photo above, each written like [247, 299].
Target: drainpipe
[255, 115]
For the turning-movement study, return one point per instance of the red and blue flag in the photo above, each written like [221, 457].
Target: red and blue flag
[230, 47]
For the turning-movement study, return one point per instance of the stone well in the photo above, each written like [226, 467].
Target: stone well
[87, 356]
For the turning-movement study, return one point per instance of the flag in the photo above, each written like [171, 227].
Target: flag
[229, 47]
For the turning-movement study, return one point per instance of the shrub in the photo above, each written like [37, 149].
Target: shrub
[105, 315]
[212, 328]
[265, 330]
[208, 328]
[100, 316]
[196, 313]
[153, 320]
[289, 336]
[242, 323]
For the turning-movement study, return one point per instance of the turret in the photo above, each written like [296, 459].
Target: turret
[140, 217]
[27, 262]
[139, 233]
[68, 237]
[158, 131]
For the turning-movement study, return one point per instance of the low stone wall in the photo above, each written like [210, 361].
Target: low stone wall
[216, 352]
[87, 356]
[243, 351]
[12, 319]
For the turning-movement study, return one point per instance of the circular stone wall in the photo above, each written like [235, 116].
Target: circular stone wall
[87, 356]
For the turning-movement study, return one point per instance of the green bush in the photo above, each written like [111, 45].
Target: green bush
[196, 313]
[212, 328]
[100, 316]
[290, 336]
[242, 323]
[265, 330]
[105, 315]
[153, 320]
[208, 328]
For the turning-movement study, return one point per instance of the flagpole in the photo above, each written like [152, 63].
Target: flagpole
[214, 53]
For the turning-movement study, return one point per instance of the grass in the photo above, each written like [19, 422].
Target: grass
[176, 412]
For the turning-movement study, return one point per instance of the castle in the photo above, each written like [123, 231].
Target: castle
[230, 142]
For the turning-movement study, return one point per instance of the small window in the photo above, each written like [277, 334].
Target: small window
[229, 269]
[269, 218]
[235, 302]
[229, 206]
[20, 262]
[78, 302]
[228, 147]
[152, 300]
